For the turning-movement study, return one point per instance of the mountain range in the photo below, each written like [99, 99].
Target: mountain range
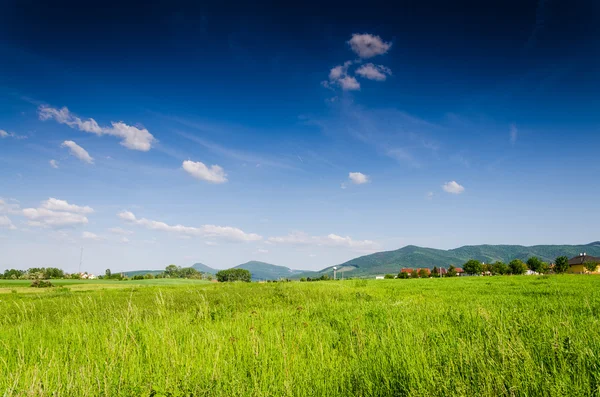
[409, 256]
[416, 257]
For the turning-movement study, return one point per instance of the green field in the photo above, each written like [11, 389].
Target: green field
[516, 335]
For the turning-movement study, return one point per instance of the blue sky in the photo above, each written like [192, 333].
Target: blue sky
[302, 137]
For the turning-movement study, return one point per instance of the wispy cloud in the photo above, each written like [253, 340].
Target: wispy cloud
[374, 72]
[235, 154]
[78, 152]
[331, 240]
[135, 138]
[54, 213]
[5, 134]
[212, 174]
[6, 223]
[209, 231]
[53, 163]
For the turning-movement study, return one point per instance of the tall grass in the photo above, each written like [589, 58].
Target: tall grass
[472, 336]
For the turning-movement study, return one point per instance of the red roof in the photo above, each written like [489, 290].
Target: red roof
[459, 270]
[406, 270]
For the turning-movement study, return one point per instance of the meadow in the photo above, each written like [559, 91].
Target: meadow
[488, 336]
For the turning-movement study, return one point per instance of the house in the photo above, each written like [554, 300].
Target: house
[576, 264]
[459, 271]
[406, 270]
[379, 277]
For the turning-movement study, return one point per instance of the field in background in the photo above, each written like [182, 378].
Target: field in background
[23, 286]
[470, 336]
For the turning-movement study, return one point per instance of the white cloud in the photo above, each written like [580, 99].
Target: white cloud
[430, 195]
[198, 170]
[78, 152]
[120, 231]
[53, 163]
[374, 72]
[124, 240]
[42, 217]
[338, 75]
[135, 138]
[5, 222]
[331, 240]
[358, 178]
[212, 231]
[453, 187]
[349, 83]
[368, 45]
[62, 205]
[4, 134]
[10, 208]
[513, 134]
[90, 236]
[54, 213]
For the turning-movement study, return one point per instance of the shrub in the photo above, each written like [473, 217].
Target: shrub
[234, 275]
[41, 284]
[403, 275]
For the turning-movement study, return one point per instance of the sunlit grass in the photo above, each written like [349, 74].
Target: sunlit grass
[471, 336]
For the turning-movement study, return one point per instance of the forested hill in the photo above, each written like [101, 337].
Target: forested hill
[267, 271]
[413, 256]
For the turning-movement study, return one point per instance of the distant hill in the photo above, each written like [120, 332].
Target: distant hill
[142, 272]
[201, 267]
[198, 266]
[267, 271]
[413, 256]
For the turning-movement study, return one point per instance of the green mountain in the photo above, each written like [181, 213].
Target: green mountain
[202, 268]
[267, 271]
[412, 256]
[142, 272]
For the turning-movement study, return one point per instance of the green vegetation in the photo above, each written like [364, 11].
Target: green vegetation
[465, 336]
[561, 264]
[590, 266]
[413, 256]
[234, 275]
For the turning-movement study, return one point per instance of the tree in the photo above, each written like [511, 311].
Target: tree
[53, 272]
[172, 271]
[414, 274]
[516, 266]
[561, 264]
[499, 268]
[435, 272]
[107, 273]
[536, 265]
[234, 275]
[423, 273]
[473, 266]
[590, 266]
[451, 271]
[388, 276]
[403, 275]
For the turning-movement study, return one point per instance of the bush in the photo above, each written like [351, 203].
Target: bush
[388, 276]
[403, 275]
[234, 275]
[41, 284]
